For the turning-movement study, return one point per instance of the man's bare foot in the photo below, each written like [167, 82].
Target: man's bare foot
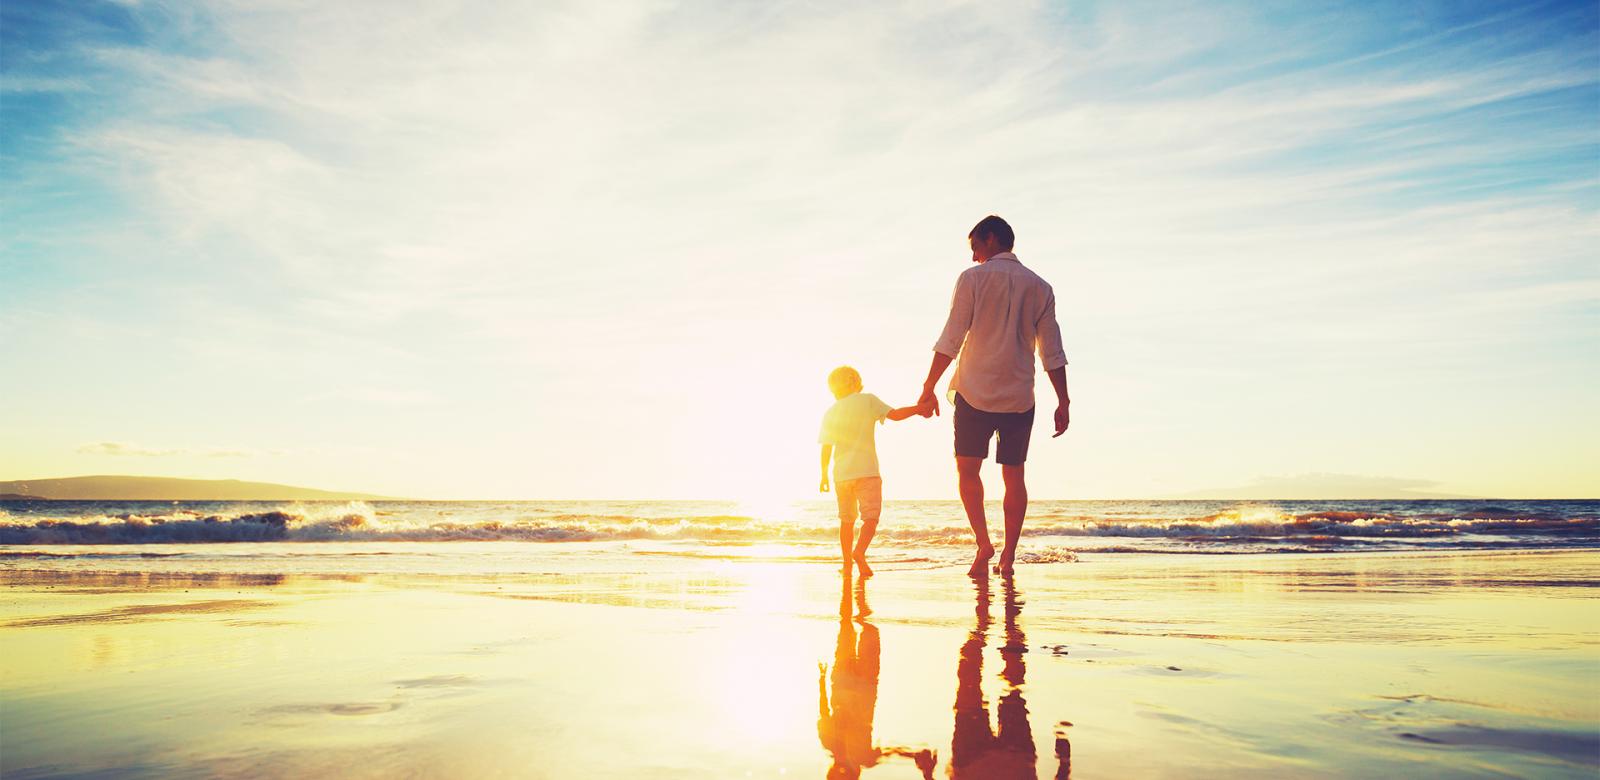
[980, 565]
[861, 564]
[1007, 564]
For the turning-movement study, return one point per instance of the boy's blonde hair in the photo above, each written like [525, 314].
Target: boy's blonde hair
[843, 381]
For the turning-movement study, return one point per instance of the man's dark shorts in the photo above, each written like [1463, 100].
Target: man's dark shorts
[974, 428]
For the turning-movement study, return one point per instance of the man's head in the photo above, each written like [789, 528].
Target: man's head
[843, 381]
[990, 237]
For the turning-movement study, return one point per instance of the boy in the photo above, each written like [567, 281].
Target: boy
[847, 428]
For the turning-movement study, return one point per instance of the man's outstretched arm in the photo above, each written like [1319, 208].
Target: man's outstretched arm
[936, 369]
[950, 340]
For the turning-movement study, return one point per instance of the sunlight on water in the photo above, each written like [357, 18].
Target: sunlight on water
[770, 508]
[545, 663]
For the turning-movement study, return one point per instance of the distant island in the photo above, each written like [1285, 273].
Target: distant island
[125, 488]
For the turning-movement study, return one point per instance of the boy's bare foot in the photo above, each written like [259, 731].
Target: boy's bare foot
[1007, 564]
[980, 565]
[861, 563]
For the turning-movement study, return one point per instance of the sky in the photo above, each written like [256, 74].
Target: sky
[612, 250]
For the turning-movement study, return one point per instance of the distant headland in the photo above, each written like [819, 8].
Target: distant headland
[126, 488]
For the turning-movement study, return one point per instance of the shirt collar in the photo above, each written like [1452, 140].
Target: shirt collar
[1004, 256]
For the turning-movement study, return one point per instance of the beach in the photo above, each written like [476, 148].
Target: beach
[445, 390]
[1454, 663]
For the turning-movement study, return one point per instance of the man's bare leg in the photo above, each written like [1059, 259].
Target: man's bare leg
[972, 501]
[868, 527]
[1016, 507]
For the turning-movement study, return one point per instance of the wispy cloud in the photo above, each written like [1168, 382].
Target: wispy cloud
[23, 84]
[124, 449]
[382, 396]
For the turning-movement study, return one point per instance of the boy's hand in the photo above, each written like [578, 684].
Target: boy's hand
[926, 409]
[824, 486]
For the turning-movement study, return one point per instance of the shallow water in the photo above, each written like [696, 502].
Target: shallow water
[608, 664]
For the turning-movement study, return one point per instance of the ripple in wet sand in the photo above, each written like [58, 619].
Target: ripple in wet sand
[138, 612]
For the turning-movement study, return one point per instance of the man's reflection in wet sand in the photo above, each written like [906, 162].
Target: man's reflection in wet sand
[977, 751]
[844, 725]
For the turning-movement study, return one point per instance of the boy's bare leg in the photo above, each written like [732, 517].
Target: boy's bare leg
[972, 501]
[1016, 507]
[868, 527]
[845, 493]
[845, 527]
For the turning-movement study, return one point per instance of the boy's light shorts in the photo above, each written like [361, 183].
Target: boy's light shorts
[865, 494]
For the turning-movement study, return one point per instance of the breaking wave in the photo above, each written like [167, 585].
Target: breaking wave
[1177, 525]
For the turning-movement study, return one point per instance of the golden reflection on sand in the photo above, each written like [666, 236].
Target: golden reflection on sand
[977, 750]
[844, 723]
[980, 748]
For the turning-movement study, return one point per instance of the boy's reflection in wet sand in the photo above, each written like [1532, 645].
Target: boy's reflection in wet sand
[976, 751]
[845, 728]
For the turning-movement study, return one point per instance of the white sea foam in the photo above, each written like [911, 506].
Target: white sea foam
[1164, 526]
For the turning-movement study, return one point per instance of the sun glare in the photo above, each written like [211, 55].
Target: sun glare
[772, 507]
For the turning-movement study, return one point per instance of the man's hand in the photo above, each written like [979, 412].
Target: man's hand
[1063, 419]
[1058, 380]
[927, 410]
[824, 486]
[936, 369]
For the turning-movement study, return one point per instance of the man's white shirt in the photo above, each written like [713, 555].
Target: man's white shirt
[1000, 315]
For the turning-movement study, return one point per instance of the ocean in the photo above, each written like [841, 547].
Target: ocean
[465, 535]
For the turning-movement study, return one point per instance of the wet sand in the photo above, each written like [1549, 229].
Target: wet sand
[1365, 665]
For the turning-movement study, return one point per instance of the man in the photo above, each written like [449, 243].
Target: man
[1000, 315]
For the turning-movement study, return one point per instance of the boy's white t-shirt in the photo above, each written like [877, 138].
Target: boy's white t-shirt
[848, 427]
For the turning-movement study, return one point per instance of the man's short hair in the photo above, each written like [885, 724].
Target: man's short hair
[844, 380]
[995, 228]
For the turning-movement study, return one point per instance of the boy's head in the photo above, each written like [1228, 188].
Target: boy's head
[843, 381]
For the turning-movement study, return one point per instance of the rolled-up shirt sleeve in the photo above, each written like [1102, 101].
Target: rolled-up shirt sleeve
[959, 322]
[1051, 354]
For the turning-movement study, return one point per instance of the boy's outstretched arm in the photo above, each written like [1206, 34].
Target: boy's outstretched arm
[827, 455]
[908, 411]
